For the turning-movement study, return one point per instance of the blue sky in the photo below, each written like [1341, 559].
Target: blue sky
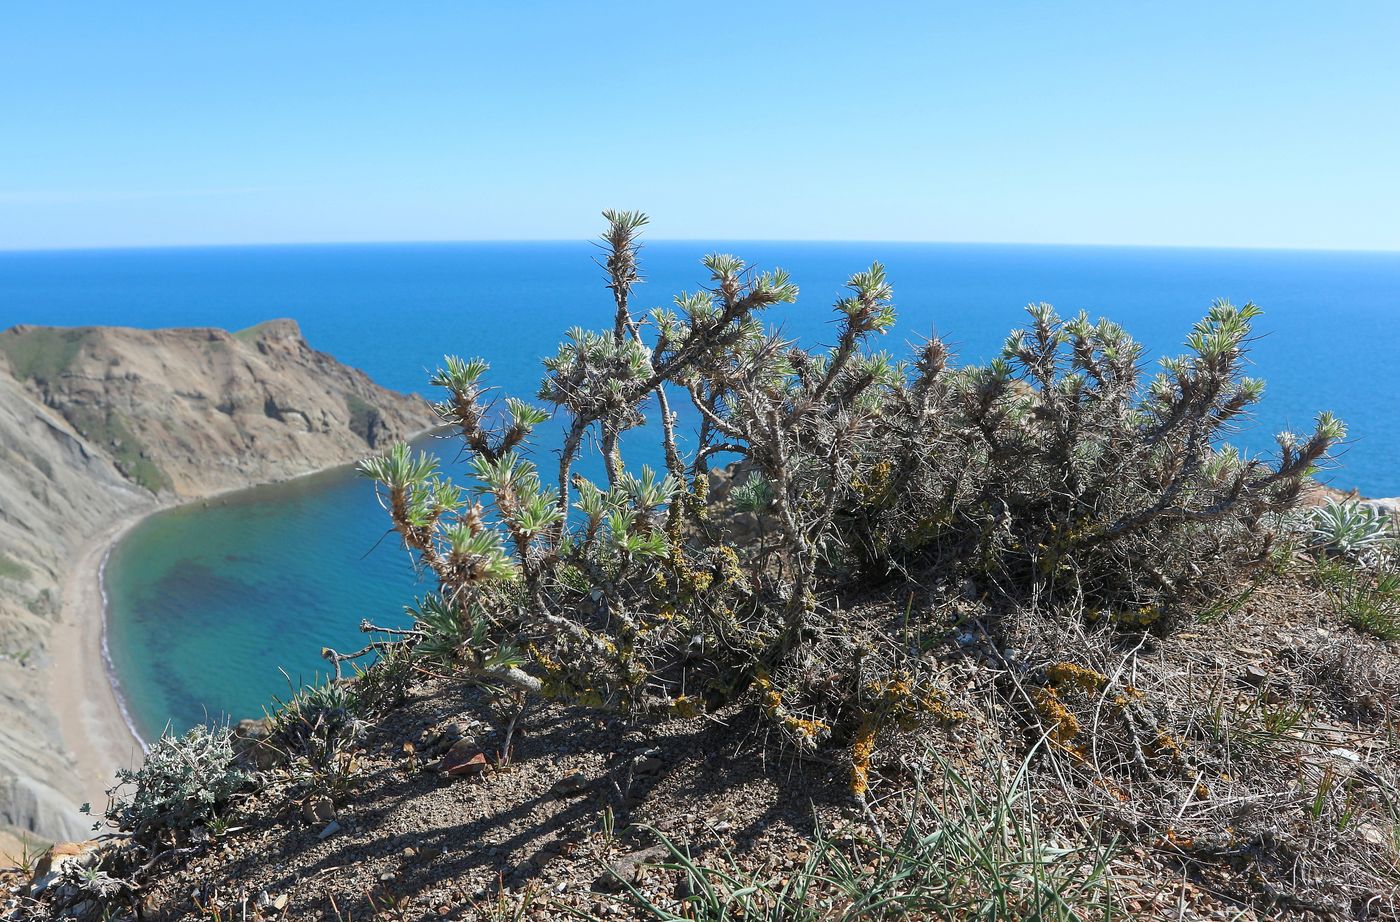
[1223, 124]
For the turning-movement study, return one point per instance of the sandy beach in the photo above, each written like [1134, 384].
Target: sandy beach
[89, 713]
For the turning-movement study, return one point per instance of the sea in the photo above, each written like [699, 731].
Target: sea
[219, 608]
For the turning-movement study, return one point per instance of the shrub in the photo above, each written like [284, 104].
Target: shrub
[1349, 529]
[1055, 471]
[181, 785]
[319, 721]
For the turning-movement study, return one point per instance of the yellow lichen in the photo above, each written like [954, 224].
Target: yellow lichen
[685, 708]
[943, 713]
[876, 487]
[1077, 676]
[1063, 726]
[1168, 745]
[1089, 681]
[861, 751]
[1145, 616]
[807, 732]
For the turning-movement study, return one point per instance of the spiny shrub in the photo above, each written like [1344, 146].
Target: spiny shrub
[1060, 466]
[1058, 470]
[180, 787]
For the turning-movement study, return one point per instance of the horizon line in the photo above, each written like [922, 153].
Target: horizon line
[146, 247]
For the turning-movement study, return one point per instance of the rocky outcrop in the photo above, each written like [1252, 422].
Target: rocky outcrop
[100, 423]
[1390, 505]
[189, 412]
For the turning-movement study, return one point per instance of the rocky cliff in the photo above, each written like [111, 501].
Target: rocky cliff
[99, 424]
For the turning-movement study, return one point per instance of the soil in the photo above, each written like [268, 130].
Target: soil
[1266, 704]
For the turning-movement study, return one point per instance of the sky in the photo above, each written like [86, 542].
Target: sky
[1258, 124]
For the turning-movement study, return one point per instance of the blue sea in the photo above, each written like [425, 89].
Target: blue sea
[216, 607]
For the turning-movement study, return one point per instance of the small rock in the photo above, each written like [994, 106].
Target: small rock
[627, 869]
[436, 740]
[329, 831]
[252, 741]
[1389, 505]
[49, 868]
[318, 810]
[463, 758]
[1255, 675]
[281, 902]
[472, 766]
[570, 786]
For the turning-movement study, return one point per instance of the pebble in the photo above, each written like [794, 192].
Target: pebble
[472, 765]
[1255, 675]
[627, 869]
[318, 810]
[570, 785]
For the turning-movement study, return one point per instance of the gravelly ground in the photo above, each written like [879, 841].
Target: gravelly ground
[1264, 703]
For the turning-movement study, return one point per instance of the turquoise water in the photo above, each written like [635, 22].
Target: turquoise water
[209, 604]
[208, 601]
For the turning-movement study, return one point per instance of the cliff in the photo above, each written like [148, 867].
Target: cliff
[99, 425]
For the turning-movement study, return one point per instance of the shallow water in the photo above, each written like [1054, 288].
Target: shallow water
[211, 603]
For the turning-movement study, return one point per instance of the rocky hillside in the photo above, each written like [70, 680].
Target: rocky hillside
[98, 424]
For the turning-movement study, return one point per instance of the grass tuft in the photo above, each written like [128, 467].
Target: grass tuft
[966, 852]
[1366, 598]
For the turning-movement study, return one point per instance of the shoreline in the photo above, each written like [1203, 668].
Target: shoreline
[108, 666]
[83, 693]
[84, 689]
